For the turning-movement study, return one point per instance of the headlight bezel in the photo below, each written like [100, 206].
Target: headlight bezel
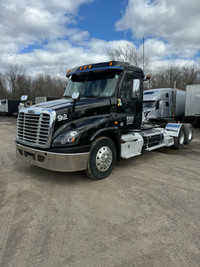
[70, 137]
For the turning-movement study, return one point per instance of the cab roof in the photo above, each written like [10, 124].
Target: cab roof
[111, 65]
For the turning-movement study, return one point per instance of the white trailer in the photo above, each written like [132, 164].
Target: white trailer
[192, 105]
[9, 107]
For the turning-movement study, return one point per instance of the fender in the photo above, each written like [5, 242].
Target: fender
[89, 127]
[102, 131]
[113, 133]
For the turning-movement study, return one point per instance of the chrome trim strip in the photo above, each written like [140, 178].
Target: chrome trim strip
[54, 161]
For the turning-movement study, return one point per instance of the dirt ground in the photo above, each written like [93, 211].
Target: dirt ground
[147, 213]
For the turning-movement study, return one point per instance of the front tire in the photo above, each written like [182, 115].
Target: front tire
[102, 158]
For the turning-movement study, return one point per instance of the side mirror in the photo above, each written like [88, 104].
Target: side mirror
[136, 88]
[76, 96]
[157, 104]
[24, 98]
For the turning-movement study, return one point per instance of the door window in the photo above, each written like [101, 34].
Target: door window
[136, 87]
[126, 88]
[130, 88]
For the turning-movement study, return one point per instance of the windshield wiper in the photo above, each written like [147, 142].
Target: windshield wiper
[67, 96]
[88, 96]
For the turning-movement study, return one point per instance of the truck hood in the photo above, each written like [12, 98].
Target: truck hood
[150, 112]
[63, 104]
[56, 104]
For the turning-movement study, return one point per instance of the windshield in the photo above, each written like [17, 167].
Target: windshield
[149, 104]
[92, 85]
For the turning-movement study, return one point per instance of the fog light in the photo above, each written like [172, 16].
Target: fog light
[40, 158]
[20, 152]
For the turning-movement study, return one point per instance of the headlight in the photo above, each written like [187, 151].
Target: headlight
[66, 138]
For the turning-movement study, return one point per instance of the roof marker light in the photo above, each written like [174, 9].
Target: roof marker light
[90, 66]
[85, 67]
[80, 68]
[110, 63]
[68, 71]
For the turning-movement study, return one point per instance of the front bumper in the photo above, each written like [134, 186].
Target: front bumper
[53, 161]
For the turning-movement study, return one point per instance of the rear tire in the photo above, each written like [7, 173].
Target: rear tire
[102, 159]
[188, 133]
[179, 141]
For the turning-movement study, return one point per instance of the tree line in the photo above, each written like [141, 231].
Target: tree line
[15, 82]
[168, 76]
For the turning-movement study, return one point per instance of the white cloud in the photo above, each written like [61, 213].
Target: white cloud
[39, 24]
[59, 54]
[173, 21]
[47, 33]
[48, 28]
[25, 23]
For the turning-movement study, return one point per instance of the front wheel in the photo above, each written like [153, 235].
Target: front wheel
[102, 159]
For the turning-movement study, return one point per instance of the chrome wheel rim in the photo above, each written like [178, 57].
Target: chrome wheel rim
[103, 158]
[182, 138]
[190, 135]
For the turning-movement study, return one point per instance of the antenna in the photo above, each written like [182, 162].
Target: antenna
[143, 55]
[174, 84]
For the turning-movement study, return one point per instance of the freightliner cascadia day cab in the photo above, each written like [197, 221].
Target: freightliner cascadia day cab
[98, 120]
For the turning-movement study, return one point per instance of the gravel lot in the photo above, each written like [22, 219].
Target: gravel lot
[147, 213]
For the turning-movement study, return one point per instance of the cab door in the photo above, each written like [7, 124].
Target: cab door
[130, 102]
[165, 109]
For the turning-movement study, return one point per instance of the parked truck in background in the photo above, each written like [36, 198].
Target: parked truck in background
[173, 105]
[98, 120]
[166, 104]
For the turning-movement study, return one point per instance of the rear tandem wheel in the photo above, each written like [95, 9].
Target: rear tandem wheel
[188, 133]
[179, 141]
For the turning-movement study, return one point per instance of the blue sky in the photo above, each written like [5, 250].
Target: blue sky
[99, 17]
[56, 35]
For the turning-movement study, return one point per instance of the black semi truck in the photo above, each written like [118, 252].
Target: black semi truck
[98, 121]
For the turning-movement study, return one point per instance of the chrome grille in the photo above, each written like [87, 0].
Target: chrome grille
[33, 129]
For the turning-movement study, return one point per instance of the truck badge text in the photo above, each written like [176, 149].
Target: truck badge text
[63, 117]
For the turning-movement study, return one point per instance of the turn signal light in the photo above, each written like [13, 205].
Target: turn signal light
[40, 158]
[148, 77]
